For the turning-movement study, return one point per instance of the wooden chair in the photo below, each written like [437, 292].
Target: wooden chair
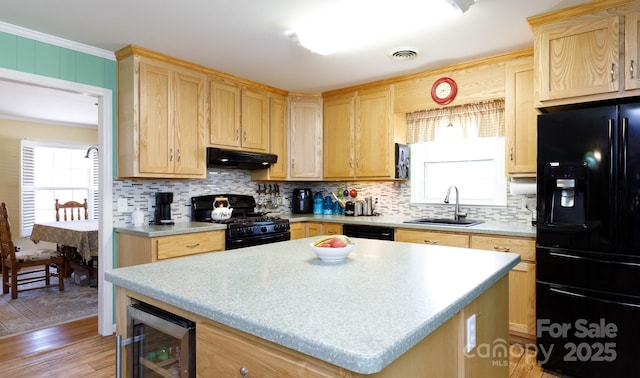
[75, 208]
[76, 212]
[14, 262]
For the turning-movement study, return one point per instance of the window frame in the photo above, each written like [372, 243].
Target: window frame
[28, 178]
[448, 152]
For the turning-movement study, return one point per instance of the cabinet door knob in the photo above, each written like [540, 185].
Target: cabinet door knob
[192, 245]
[430, 241]
[244, 372]
[171, 154]
[501, 249]
[631, 68]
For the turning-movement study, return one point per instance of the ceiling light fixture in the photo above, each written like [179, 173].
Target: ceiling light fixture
[355, 23]
[461, 5]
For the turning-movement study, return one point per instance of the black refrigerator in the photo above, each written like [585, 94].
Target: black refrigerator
[588, 241]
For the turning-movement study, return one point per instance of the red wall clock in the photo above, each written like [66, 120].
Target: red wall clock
[444, 90]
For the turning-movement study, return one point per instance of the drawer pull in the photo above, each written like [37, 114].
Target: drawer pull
[192, 245]
[244, 372]
[430, 241]
[501, 249]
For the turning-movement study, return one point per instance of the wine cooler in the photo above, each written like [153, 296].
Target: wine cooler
[161, 344]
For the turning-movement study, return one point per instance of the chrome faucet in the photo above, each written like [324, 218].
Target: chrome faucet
[457, 214]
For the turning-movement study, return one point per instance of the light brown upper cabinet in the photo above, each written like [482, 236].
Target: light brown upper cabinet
[239, 116]
[278, 136]
[583, 54]
[520, 119]
[305, 138]
[338, 133]
[160, 119]
[358, 135]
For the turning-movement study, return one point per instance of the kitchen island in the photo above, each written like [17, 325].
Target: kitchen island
[391, 308]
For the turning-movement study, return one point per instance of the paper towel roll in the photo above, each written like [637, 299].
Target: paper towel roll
[523, 187]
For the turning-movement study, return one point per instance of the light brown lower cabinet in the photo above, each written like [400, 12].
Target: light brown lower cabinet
[313, 229]
[332, 228]
[297, 230]
[138, 249]
[522, 281]
[447, 239]
[301, 230]
[522, 278]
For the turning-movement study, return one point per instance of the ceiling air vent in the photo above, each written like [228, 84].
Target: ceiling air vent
[403, 53]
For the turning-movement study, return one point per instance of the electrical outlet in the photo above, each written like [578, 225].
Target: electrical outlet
[529, 203]
[471, 333]
[123, 205]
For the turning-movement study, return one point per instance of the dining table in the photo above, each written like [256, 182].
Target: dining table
[79, 234]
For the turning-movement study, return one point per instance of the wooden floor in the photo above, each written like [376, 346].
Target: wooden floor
[77, 350]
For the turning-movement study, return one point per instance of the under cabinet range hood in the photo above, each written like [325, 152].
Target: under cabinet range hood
[221, 158]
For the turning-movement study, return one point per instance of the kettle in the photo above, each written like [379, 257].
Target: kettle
[220, 212]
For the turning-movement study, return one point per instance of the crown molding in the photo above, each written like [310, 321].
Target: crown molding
[56, 41]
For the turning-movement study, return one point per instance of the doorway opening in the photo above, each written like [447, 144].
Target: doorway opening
[104, 99]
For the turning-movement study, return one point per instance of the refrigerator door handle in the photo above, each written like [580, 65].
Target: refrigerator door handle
[575, 257]
[612, 171]
[601, 300]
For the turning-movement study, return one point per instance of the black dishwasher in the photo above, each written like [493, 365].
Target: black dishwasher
[368, 232]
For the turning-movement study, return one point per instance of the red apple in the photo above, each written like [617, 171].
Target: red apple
[337, 242]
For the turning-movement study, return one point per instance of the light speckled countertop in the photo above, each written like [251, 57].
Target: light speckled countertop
[153, 230]
[360, 314]
[495, 228]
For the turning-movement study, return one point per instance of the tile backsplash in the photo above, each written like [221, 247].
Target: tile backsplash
[394, 198]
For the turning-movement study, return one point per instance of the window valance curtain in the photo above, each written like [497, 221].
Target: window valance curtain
[479, 120]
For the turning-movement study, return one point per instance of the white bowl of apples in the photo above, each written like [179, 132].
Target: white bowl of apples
[334, 248]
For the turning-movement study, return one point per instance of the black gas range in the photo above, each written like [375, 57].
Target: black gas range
[246, 227]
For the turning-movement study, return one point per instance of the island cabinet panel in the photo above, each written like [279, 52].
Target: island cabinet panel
[522, 281]
[224, 352]
[448, 239]
[136, 249]
[160, 120]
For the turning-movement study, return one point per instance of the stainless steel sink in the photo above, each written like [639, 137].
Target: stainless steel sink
[445, 221]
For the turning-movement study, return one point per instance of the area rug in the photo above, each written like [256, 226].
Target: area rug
[37, 309]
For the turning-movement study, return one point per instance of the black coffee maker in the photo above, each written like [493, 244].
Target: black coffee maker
[163, 208]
